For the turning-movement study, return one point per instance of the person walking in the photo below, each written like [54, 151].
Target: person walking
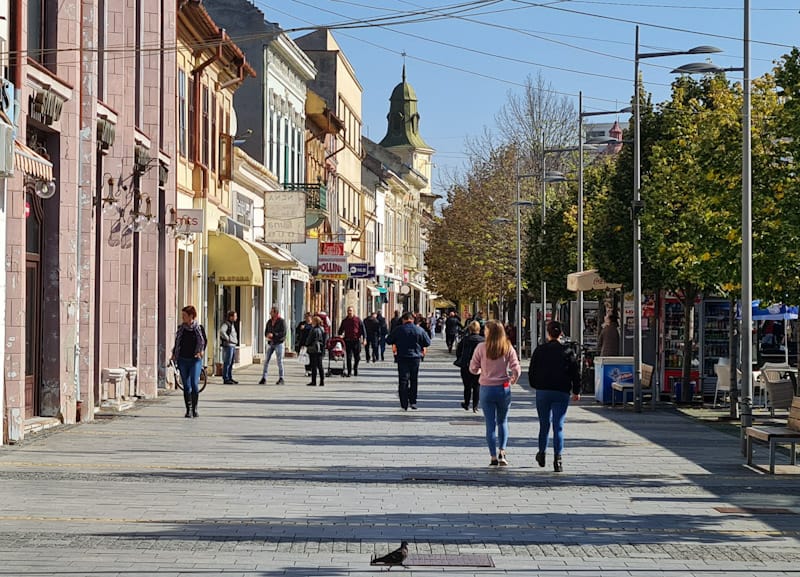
[371, 335]
[451, 327]
[409, 343]
[275, 332]
[353, 331]
[464, 351]
[228, 340]
[382, 332]
[395, 322]
[496, 363]
[315, 347]
[553, 373]
[190, 345]
[301, 333]
[608, 341]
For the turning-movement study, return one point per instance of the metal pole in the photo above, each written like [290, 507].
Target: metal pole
[747, 239]
[518, 306]
[580, 212]
[637, 234]
[543, 335]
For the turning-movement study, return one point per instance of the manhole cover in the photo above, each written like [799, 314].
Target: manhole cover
[754, 510]
[422, 560]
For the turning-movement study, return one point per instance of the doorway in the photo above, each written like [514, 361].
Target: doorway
[33, 304]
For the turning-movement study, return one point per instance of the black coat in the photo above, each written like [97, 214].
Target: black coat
[554, 368]
[466, 347]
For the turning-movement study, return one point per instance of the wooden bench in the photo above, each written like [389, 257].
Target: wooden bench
[774, 436]
[625, 387]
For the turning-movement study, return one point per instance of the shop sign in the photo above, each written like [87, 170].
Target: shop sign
[331, 261]
[285, 216]
[189, 220]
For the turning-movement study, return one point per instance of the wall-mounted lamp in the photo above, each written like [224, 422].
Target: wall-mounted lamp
[44, 188]
[110, 203]
[139, 221]
[178, 228]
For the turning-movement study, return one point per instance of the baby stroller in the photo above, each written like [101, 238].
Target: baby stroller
[336, 356]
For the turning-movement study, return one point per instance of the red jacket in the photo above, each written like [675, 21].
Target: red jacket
[352, 329]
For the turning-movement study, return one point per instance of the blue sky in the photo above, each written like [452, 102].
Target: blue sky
[463, 67]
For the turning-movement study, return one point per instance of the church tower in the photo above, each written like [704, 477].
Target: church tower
[402, 136]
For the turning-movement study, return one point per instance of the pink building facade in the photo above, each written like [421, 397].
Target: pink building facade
[90, 268]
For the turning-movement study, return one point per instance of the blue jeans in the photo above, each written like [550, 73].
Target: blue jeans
[190, 373]
[278, 350]
[228, 354]
[495, 402]
[553, 403]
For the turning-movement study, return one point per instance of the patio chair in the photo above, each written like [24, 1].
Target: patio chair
[780, 389]
[723, 372]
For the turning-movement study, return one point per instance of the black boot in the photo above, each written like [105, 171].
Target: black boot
[188, 400]
[194, 404]
[557, 467]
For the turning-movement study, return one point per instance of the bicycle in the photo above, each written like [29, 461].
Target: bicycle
[176, 376]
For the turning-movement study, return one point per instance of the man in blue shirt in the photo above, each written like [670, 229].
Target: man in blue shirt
[409, 343]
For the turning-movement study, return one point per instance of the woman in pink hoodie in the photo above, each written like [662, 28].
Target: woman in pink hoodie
[497, 366]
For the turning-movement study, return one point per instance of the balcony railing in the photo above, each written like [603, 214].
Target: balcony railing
[316, 194]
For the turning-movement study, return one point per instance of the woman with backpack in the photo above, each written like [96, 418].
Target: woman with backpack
[464, 350]
[315, 347]
[554, 372]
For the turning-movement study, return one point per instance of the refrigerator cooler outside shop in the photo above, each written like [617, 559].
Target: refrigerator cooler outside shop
[711, 322]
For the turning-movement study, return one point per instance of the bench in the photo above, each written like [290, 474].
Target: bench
[625, 387]
[774, 436]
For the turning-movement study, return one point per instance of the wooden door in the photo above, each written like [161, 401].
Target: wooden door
[32, 337]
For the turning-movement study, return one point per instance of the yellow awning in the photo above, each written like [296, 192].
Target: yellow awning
[269, 257]
[232, 261]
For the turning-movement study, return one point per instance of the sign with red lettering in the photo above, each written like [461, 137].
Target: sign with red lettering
[331, 261]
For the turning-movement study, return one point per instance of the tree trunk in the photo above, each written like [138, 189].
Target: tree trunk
[734, 354]
[686, 377]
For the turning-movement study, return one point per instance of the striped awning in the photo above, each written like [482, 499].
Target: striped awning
[32, 163]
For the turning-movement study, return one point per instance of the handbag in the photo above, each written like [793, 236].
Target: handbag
[303, 358]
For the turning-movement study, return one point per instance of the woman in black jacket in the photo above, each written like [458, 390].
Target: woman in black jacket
[553, 373]
[464, 350]
[315, 347]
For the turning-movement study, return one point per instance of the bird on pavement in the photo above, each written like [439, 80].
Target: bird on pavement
[396, 557]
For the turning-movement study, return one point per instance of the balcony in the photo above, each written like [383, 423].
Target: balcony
[316, 201]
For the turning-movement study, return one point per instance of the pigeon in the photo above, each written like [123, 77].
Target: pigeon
[396, 557]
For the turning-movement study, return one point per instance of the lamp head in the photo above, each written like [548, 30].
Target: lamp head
[704, 49]
[45, 189]
[698, 68]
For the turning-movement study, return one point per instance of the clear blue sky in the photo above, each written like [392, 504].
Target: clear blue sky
[464, 66]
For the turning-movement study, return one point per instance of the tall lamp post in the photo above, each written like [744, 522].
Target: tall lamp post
[636, 208]
[581, 116]
[747, 218]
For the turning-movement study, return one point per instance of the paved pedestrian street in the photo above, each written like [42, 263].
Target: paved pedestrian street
[294, 480]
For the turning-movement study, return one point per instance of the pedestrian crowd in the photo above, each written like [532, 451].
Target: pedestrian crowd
[485, 354]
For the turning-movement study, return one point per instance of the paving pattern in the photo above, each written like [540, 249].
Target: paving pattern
[295, 480]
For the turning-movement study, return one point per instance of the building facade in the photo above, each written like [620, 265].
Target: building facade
[89, 298]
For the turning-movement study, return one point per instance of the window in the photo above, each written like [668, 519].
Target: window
[214, 137]
[38, 30]
[204, 128]
[182, 113]
[191, 116]
[271, 154]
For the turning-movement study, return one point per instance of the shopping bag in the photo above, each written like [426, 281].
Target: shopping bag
[302, 357]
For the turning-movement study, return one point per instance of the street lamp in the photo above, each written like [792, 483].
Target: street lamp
[636, 208]
[518, 309]
[746, 402]
[581, 116]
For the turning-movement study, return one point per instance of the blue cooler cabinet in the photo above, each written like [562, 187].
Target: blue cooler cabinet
[608, 370]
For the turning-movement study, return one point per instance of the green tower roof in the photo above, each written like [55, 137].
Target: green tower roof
[403, 118]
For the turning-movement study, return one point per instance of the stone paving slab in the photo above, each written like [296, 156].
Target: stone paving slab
[294, 480]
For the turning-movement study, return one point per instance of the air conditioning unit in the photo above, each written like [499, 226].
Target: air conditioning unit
[6, 150]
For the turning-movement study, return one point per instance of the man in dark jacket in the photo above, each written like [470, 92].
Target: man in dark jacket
[409, 343]
[382, 332]
[395, 322]
[554, 372]
[275, 332]
[451, 327]
[371, 329]
[352, 328]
